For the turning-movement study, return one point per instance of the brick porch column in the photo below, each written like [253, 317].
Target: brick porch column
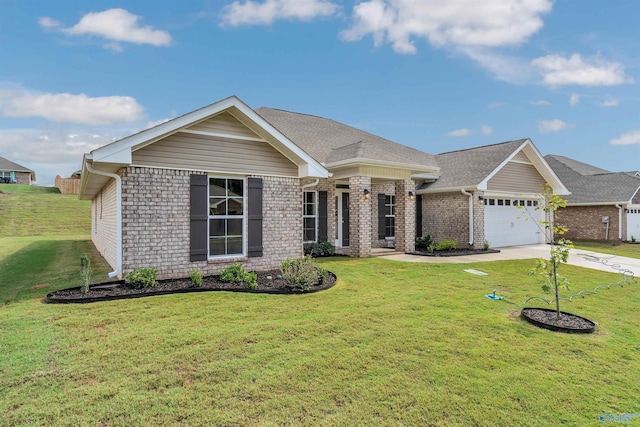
[359, 217]
[405, 216]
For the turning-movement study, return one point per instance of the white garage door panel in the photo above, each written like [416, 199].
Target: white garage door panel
[633, 222]
[511, 226]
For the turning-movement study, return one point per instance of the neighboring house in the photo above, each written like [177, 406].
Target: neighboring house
[603, 205]
[226, 183]
[15, 173]
[488, 194]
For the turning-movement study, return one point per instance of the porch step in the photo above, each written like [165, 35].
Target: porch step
[375, 252]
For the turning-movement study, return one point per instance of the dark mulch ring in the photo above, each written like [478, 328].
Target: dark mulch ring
[267, 284]
[548, 319]
[455, 252]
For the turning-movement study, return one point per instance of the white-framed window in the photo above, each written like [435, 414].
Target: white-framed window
[309, 216]
[227, 216]
[389, 215]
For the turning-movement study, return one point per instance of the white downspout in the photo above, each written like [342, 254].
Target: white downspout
[118, 269]
[470, 215]
[619, 221]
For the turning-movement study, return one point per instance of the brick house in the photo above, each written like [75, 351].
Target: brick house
[228, 183]
[15, 173]
[603, 205]
[488, 194]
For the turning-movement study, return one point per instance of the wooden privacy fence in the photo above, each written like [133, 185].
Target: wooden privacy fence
[68, 185]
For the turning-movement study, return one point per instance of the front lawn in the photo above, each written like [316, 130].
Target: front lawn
[613, 248]
[391, 344]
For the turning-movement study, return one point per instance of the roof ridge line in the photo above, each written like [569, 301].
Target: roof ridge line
[483, 146]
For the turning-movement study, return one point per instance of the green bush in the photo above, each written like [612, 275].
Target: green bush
[85, 273]
[447, 245]
[319, 249]
[236, 273]
[424, 242]
[142, 278]
[196, 277]
[302, 273]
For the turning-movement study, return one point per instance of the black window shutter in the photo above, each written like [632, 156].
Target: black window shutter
[381, 218]
[254, 232]
[322, 216]
[199, 201]
[419, 215]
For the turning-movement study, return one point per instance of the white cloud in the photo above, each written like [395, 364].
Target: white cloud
[490, 23]
[540, 102]
[460, 132]
[486, 130]
[574, 70]
[628, 138]
[252, 12]
[554, 125]
[506, 68]
[494, 105]
[609, 102]
[65, 107]
[116, 25]
[155, 123]
[49, 153]
[574, 99]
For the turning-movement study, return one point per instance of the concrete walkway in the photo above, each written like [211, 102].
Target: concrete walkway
[578, 257]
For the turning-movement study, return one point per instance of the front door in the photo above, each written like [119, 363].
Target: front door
[342, 219]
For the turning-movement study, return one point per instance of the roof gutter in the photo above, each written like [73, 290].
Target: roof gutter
[470, 215]
[619, 221]
[118, 179]
[311, 184]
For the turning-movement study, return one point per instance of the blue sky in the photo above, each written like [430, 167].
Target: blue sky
[437, 75]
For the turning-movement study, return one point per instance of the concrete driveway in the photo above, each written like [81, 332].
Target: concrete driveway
[578, 257]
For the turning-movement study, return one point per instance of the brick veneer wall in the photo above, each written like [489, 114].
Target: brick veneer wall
[585, 222]
[359, 217]
[446, 216]
[405, 216]
[156, 223]
[23, 178]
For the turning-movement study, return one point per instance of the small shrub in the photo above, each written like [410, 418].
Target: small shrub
[486, 245]
[302, 273]
[431, 248]
[85, 273]
[142, 278]
[424, 242]
[447, 245]
[633, 239]
[196, 277]
[319, 249]
[236, 273]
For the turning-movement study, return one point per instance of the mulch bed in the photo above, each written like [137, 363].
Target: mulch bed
[548, 319]
[455, 252]
[268, 283]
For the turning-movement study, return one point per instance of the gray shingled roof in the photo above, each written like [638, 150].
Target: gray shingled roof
[9, 166]
[468, 168]
[590, 184]
[329, 141]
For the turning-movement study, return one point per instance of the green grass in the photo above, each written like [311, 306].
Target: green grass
[27, 189]
[44, 214]
[620, 249]
[391, 344]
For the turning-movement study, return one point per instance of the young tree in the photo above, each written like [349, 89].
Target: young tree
[559, 252]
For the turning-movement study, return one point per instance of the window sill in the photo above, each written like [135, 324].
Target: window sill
[228, 260]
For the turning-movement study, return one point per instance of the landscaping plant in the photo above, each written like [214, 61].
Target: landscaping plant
[559, 252]
[424, 242]
[319, 249]
[236, 273]
[142, 278]
[85, 273]
[446, 245]
[196, 277]
[302, 273]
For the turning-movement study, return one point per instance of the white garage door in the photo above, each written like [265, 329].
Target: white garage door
[505, 224]
[633, 222]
